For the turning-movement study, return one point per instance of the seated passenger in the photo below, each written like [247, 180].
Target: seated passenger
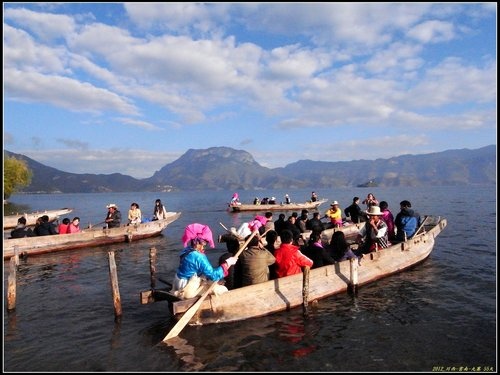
[407, 221]
[255, 262]
[315, 251]
[289, 259]
[374, 234]
[339, 248]
[45, 227]
[20, 230]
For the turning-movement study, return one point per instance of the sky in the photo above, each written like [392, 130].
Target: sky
[127, 88]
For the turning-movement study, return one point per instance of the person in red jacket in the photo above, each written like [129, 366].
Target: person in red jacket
[289, 259]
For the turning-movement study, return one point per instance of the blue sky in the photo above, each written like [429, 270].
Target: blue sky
[130, 87]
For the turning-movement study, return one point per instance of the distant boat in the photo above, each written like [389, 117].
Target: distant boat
[276, 207]
[288, 292]
[87, 238]
[10, 221]
[370, 183]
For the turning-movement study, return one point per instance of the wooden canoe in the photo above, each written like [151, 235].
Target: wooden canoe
[286, 293]
[10, 221]
[86, 238]
[276, 207]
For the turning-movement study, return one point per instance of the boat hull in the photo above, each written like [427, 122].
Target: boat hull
[87, 238]
[277, 207]
[10, 221]
[287, 292]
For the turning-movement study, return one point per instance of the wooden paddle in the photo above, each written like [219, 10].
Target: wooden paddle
[421, 226]
[181, 323]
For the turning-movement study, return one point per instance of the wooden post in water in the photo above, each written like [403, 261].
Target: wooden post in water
[152, 266]
[16, 255]
[353, 282]
[11, 291]
[114, 284]
[305, 291]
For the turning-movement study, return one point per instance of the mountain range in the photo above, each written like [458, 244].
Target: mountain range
[225, 168]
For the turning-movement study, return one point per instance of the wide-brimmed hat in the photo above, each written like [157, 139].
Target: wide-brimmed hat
[111, 205]
[334, 203]
[374, 210]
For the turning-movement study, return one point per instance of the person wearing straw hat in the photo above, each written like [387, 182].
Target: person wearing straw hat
[114, 217]
[334, 213]
[373, 235]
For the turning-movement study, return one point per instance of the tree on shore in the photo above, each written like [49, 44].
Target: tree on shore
[16, 174]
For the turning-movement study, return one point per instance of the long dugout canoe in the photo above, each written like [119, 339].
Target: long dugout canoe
[87, 238]
[277, 207]
[286, 293]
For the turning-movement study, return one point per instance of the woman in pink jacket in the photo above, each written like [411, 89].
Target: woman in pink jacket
[74, 227]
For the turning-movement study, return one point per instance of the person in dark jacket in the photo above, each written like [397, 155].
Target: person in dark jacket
[407, 221]
[279, 224]
[114, 217]
[45, 227]
[354, 211]
[20, 230]
[315, 224]
[290, 225]
[315, 251]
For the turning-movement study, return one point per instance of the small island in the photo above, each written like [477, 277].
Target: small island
[370, 183]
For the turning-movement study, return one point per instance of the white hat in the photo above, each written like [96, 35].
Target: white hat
[111, 205]
[374, 210]
[334, 203]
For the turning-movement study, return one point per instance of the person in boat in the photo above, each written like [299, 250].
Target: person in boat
[389, 220]
[302, 220]
[44, 227]
[20, 230]
[194, 264]
[289, 259]
[279, 224]
[255, 262]
[160, 211]
[256, 201]
[235, 200]
[340, 250]
[370, 200]
[114, 216]
[271, 239]
[287, 199]
[265, 200]
[354, 211]
[334, 213]
[315, 224]
[74, 226]
[314, 197]
[233, 278]
[134, 214]
[373, 235]
[272, 200]
[62, 228]
[290, 226]
[270, 223]
[315, 251]
[407, 221]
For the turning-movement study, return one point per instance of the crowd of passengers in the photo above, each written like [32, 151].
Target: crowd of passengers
[285, 252]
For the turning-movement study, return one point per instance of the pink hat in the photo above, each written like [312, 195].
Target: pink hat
[198, 231]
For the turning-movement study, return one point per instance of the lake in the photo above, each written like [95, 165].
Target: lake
[438, 316]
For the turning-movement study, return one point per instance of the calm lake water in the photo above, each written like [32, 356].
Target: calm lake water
[440, 315]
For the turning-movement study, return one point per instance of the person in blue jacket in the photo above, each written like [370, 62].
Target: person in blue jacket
[194, 265]
[407, 221]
